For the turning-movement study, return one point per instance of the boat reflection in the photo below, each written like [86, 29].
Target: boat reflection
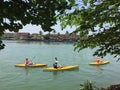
[55, 73]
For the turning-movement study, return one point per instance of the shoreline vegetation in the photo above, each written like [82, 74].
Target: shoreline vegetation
[46, 38]
[113, 87]
[89, 85]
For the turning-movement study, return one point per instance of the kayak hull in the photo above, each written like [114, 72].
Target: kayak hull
[100, 63]
[34, 65]
[61, 68]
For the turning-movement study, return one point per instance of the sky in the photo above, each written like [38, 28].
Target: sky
[35, 29]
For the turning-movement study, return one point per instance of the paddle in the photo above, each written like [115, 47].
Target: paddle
[58, 64]
[33, 59]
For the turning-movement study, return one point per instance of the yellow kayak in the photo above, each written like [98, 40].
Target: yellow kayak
[33, 65]
[60, 68]
[100, 63]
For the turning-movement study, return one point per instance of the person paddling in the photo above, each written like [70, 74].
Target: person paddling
[26, 61]
[56, 63]
[97, 60]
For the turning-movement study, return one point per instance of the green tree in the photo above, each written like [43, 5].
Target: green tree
[54, 32]
[66, 33]
[14, 14]
[40, 32]
[58, 33]
[2, 45]
[88, 85]
[101, 18]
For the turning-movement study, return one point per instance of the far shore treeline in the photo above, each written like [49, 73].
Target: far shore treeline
[39, 37]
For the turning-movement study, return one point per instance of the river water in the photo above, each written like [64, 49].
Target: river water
[17, 78]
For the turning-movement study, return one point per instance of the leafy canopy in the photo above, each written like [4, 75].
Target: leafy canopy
[14, 14]
[99, 20]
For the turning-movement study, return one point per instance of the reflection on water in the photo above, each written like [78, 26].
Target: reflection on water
[55, 73]
[98, 67]
[35, 42]
[27, 70]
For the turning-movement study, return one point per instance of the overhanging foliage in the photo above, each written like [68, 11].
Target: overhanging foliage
[14, 14]
[99, 20]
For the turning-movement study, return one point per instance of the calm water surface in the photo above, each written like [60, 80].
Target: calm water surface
[16, 78]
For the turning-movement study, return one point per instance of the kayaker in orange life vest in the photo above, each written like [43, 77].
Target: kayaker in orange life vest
[97, 60]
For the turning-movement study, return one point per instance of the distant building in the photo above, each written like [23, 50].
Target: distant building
[8, 35]
[37, 37]
[21, 36]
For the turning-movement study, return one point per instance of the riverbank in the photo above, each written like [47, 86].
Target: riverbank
[113, 87]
